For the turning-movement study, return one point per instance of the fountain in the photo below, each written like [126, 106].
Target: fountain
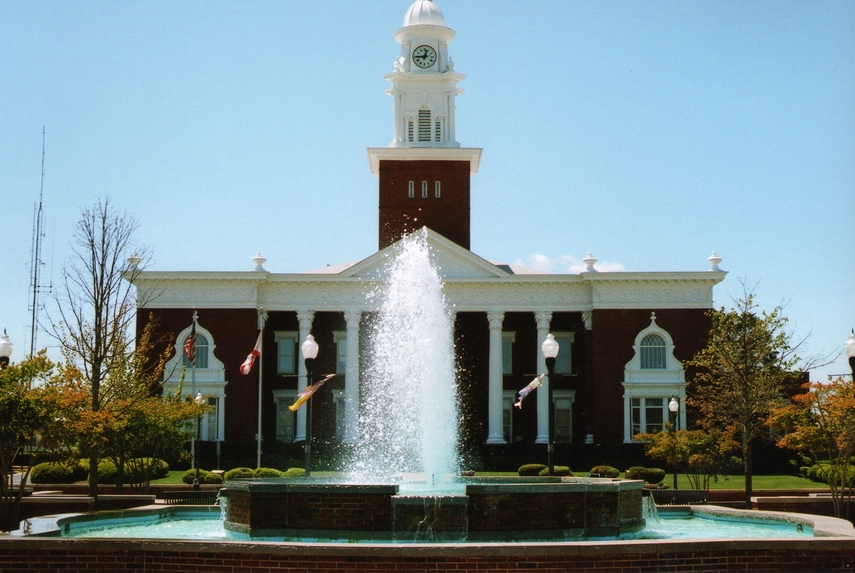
[409, 416]
[399, 523]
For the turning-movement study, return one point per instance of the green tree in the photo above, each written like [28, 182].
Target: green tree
[699, 454]
[95, 307]
[820, 423]
[743, 373]
[39, 404]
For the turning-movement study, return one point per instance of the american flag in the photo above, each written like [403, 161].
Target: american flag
[190, 345]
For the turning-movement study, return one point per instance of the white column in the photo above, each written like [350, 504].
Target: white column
[494, 398]
[351, 377]
[305, 317]
[542, 319]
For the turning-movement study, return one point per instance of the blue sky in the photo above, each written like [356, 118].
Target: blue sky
[648, 133]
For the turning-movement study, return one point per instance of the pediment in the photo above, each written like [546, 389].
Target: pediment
[451, 260]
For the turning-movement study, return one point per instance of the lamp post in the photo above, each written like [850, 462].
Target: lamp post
[6, 347]
[199, 400]
[550, 351]
[849, 347]
[674, 408]
[309, 349]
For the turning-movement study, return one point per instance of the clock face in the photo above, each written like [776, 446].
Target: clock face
[424, 56]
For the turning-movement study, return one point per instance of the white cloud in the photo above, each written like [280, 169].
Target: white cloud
[566, 264]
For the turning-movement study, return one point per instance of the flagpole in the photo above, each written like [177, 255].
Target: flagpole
[262, 318]
[193, 397]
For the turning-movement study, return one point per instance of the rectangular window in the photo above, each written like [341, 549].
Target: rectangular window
[424, 125]
[286, 352]
[285, 418]
[563, 420]
[508, 352]
[424, 189]
[212, 421]
[411, 191]
[654, 418]
[508, 398]
[647, 415]
[563, 364]
[635, 405]
[340, 338]
[437, 191]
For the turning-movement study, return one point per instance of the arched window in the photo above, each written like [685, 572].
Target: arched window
[201, 352]
[652, 352]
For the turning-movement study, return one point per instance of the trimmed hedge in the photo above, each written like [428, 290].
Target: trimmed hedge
[605, 471]
[650, 475]
[531, 469]
[557, 471]
[267, 473]
[52, 472]
[294, 472]
[239, 473]
[190, 475]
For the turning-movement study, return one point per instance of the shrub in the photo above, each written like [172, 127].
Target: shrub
[635, 472]
[531, 469]
[213, 478]
[267, 473]
[605, 471]
[52, 472]
[557, 471]
[239, 473]
[190, 475]
[650, 475]
[134, 469]
[106, 471]
[294, 472]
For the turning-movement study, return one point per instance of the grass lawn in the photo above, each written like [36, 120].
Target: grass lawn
[728, 482]
[173, 477]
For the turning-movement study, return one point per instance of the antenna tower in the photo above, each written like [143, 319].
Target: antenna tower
[36, 260]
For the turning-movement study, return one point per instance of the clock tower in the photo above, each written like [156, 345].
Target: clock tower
[424, 173]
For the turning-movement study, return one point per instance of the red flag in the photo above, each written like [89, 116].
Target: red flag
[250, 360]
[190, 345]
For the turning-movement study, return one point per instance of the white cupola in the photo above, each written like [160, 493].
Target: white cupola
[424, 85]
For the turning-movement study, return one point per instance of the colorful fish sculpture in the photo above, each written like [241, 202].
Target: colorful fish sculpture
[304, 396]
[529, 389]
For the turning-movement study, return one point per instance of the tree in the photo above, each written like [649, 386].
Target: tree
[96, 308]
[821, 423]
[39, 405]
[743, 373]
[699, 454]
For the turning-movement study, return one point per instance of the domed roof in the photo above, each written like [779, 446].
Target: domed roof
[424, 13]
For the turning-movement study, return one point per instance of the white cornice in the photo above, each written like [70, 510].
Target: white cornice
[470, 154]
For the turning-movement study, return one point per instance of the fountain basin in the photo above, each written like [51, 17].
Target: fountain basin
[558, 507]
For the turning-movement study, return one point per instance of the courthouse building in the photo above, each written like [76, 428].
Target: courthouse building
[622, 335]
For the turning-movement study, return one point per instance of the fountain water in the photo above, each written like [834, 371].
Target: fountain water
[409, 411]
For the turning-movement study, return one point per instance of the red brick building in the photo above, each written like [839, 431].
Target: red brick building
[622, 335]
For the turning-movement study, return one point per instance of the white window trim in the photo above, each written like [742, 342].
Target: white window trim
[508, 399]
[652, 383]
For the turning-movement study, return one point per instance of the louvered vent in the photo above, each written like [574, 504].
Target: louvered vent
[424, 125]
